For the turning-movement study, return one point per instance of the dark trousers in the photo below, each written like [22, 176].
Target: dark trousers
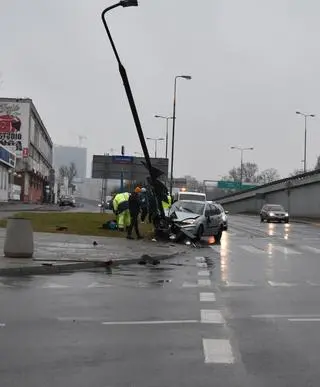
[144, 213]
[134, 224]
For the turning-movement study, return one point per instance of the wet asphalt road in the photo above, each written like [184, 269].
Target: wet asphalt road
[246, 313]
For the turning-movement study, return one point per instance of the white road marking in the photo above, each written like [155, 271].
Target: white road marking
[287, 316]
[189, 285]
[2, 325]
[99, 285]
[311, 249]
[252, 249]
[204, 283]
[304, 319]
[200, 259]
[282, 284]
[211, 316]
[217, 351]
[207, 297]
[237, 285]
[202, 264]
[286, 250]
[150, 322]
[203, 273]
[54, 286]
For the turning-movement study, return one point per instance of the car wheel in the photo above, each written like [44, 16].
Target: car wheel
[200, 233]
[268, 220]
[261, 219]
[286, 221]
[218, 236]
[225, 228]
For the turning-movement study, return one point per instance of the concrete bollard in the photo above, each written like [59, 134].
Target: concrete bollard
[19, 238]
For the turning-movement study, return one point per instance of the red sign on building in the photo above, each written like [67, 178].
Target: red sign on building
[25, 153]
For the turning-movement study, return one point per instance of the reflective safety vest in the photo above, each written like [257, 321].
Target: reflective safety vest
[120, 201]
[166, 205]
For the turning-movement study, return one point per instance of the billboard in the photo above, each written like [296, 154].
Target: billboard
[130, 167]
[14, 125]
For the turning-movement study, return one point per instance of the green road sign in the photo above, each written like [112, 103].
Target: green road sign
[225, 184]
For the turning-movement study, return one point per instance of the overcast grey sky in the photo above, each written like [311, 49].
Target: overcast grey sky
[253, 63]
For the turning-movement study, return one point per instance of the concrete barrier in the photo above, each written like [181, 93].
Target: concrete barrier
[19, 238]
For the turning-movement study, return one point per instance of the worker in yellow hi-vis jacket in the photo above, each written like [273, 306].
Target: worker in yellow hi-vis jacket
[121, 209]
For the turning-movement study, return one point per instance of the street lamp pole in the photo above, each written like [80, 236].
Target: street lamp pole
[153, 172]
[167, 130]
[241, 149]
[188, 77]
[305, 138]
[155, 144]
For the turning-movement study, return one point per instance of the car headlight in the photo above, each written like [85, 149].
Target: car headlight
[271, 213]
[224, 217]
[189, 221]
[286, 214]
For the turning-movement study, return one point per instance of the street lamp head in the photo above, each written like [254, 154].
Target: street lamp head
[186, 77]
[298, 112]
[312, 115]
[129, 3]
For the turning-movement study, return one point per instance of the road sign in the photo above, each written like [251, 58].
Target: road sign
[122, 159]
[225, 184]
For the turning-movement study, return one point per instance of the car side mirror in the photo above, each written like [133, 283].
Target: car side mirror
[226, 212]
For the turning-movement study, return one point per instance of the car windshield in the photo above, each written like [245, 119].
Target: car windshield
[191, 196]
[189, 206]
[275, 208]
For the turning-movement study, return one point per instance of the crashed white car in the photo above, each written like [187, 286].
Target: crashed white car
[197, 218]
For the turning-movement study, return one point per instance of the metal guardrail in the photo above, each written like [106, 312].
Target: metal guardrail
[278, 185]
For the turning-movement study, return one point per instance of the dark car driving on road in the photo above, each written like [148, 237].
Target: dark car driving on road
[274, 213]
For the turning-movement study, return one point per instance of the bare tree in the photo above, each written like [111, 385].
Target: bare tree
[296, 172]
[69, 172]
[249, 172]
[267, 176]
[317, 166]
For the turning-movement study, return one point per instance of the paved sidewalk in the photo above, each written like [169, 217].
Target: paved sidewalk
[61, 252]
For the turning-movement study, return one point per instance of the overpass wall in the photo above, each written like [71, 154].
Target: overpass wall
[300, 199]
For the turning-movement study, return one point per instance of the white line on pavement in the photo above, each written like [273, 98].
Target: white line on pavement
[54, 286]
[211, 316]
[304, 319]
[204, 283]
[282, 284]
[150, 322]
[189, 285]
[287, 316]
[98, 285]
[203, 273]
[207, 297]
[237, 285]
[217, 351]
[2, 325]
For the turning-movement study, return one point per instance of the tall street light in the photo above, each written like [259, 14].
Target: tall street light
[188, 77]
[167, 130]
[154, 172]
[241, 149]
[305, 138]
[155, 144]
